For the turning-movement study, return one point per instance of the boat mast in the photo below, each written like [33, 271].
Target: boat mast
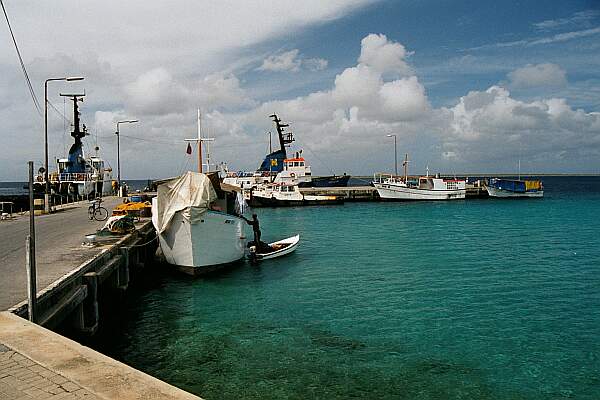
[405, 165]
[199, 141]
[283, 140]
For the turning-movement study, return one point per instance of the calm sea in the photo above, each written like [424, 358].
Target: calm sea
[475, 299]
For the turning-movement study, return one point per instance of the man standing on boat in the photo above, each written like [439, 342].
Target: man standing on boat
[260, 246]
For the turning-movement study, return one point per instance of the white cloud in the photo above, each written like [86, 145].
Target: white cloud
[315, 64]
[493, 125]
[538, 75]
[291, 61]
[578, 18]
[557, 38]
[287, 61]
[383, 55]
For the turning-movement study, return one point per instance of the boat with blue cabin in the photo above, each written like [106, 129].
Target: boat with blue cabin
[509, 188]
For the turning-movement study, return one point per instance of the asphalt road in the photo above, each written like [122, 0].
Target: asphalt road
[58, 248]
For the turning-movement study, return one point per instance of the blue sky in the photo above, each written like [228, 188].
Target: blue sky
[468, 86]
[449, 38]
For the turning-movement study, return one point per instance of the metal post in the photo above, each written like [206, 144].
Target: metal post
[395, 157]
[118, 159]
[395, 154]
[47, 187]
[30, 253]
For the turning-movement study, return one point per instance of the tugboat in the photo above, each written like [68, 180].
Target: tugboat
[277, 167]
[76, 175]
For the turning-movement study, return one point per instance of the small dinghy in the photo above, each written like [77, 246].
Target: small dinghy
[278, 249]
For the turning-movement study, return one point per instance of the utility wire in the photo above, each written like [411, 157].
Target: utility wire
[59, 112]
[36, 103]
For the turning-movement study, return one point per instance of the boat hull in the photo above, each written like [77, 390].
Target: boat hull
[327, 181]
[198, 243]
[501, 193]
[401, 193]
[258, 201]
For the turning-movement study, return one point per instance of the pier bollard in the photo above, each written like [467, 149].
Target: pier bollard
[91, 315]
[123, 271]
[38, 206]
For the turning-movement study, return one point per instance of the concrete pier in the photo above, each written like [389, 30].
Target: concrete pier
[59, 251]
[36, 363]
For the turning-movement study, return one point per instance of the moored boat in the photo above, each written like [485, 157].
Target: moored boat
[77, 175]
[424, 188]
[391, 187]
[197, 225]
[509, 188]
[278, 249]
[277, 167]
[277, 195]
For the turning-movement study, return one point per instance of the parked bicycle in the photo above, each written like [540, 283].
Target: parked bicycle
[96, 211]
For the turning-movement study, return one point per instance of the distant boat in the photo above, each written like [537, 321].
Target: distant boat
[197, 227]
[515, 188]
[76, 174]
[277, 195]
[390, 187]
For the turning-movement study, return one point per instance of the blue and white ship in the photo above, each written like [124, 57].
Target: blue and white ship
[278, 168]
[76, 174]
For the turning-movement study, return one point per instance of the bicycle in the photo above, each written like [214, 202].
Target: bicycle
[96, 211]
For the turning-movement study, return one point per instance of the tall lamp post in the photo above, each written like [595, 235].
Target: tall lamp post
[47, 188]
[395, 155]
[127, 121]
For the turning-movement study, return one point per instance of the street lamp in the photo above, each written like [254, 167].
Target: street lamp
[47, 188]
[395, 154]
[127, 121]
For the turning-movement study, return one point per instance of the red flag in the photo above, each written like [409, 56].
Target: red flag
[189, 149]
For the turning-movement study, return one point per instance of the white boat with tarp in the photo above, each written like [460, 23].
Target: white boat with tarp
[196, 223]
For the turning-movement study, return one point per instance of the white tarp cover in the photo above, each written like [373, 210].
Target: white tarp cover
[192, 189]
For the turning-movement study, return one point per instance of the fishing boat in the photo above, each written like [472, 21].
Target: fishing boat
[278, 249]
[197, 227]
[77, 175]
[284, 194]
[197, 220]
[391, 187]
[513, 188]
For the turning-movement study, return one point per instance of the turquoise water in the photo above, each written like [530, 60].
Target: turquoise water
[476, 299]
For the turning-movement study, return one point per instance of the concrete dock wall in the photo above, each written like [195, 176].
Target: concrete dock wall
[74, 298]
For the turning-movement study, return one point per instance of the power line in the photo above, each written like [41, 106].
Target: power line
[36, 103]
[59, 112]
